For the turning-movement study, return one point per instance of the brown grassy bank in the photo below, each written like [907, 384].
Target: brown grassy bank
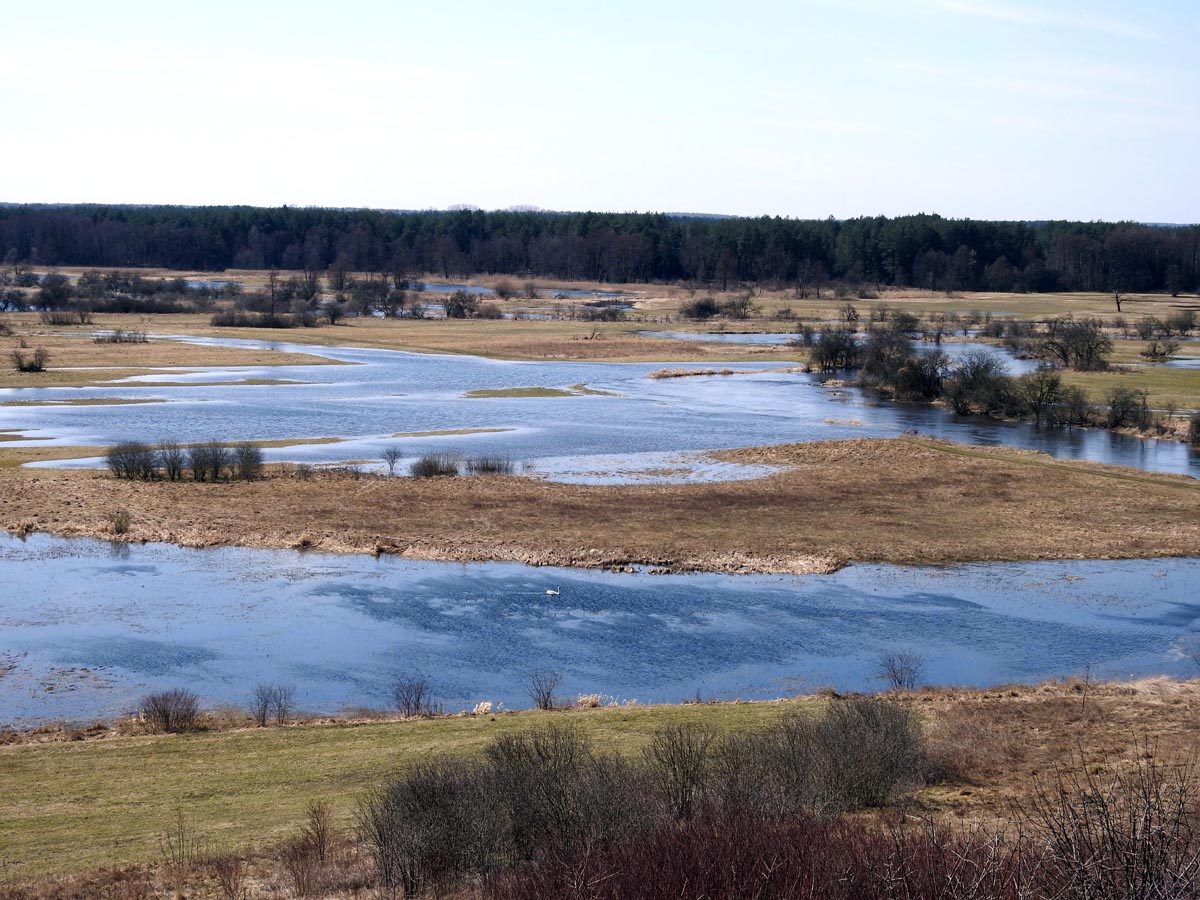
[905, 500]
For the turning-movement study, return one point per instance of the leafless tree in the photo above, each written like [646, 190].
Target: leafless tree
[541, 687]
[900, 669]
[413, 696]
[391, 456]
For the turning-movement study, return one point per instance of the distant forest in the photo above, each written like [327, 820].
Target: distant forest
[924, 251]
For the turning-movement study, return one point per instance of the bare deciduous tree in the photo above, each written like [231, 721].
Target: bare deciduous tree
[541, 687]
[900, 669]
[391, 456]
[413, 696]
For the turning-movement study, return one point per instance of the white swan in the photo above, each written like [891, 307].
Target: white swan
[555, 592]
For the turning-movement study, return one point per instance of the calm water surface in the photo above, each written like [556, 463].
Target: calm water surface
[379, 393]
[86, 627]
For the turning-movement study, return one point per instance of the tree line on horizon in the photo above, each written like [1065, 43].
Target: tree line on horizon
[924, 251]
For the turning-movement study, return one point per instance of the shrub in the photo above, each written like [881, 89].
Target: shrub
[209, 461]
[119, 336]
[1129, 832]
[901, 670]
[489, 465]
[700, 308]
[921, 377]
[391, 456]
[751, 857]
[980, 385]
[118, 520]
[247, 461]
[1127, 407]
[430, 825]
[541, 687]
[273, 700]
[132, 460]
[1194, 429]
[678, 757]
[172, 458]
[836, 348]
[413, 696]
[433, 465]
[35, 363]
[299, 860]
[231, 876]
[865, 748]
[173, 711]
[546, 798]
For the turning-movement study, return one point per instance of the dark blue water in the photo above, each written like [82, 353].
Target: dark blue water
[87, 627]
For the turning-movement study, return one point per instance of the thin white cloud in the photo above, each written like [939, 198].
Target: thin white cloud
[999, 11]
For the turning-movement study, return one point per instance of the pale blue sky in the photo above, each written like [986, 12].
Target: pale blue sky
[981, 108]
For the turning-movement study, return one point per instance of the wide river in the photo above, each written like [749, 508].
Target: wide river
[87, 626]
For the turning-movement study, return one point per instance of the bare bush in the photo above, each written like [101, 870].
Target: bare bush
[678, 756]
[299, 860]
[119, 336]
[132, 460]
[391, 456]
[490, 465]
[171, 458]
[173, 711]
[865, 748]
[247, 461]
[541, 687]
[34, 363]
[413, 696]
[273, 701]
[231, 876]
[434, 465]
[209, 461]
[318, 829]
[1129, 831]
[901, 670]
[180, 847]
[118, 521]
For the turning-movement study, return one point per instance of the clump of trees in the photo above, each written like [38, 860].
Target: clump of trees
[277, 701]
[211, 461]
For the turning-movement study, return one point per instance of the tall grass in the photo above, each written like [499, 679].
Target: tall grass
[435, 465]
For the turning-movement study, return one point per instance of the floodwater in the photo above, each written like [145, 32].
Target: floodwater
[382, 393]
[87, 627]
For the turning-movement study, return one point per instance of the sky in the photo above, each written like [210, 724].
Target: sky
[997, 109]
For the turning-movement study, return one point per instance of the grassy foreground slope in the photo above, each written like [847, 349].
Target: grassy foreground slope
[72, 806]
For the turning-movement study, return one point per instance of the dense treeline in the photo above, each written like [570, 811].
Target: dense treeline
[925, 251]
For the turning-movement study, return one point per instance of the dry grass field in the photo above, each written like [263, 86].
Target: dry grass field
[903, 500]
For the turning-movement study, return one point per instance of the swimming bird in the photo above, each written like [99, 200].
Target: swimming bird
[555, 592]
